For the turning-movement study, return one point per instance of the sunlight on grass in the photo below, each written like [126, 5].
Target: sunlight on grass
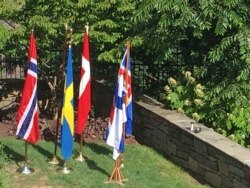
[143, 167]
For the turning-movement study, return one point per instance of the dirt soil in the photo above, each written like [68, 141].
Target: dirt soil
[8, 130]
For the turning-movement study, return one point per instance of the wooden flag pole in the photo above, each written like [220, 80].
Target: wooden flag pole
[55, 160]
[117, 176]
[126, 100]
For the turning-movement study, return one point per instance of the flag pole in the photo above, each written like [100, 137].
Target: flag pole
[25, 169]
[80, 156]
[117, 176]
[126, 98]
[65, 168]
[55, 160]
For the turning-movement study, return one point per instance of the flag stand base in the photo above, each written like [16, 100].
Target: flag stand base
[25, 170]
[54, 160]
[117, 176]
[65, 169]
[79, 158]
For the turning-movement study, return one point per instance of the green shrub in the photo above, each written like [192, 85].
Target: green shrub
[225, 115]
[187, 97]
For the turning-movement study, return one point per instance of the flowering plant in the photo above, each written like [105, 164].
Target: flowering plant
[187, 97]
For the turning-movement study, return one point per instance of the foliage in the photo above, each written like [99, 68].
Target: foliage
[186, 97]
[109, 25]
[210, 37]
[7, 7]
[110, 28]
[213, 37]
[227, 117]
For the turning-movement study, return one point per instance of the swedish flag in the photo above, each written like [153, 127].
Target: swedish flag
[67, 120]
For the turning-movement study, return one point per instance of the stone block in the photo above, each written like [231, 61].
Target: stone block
[159, 135]
[171, 148]
[200, 147]
[247, 176]
[201, 171]
[193, 165]
[236, 171]
[187, 140]
[238, 184]
[223, 168]
[183, 163]
[213, 178]
[182, 155]
[213, 159]
[226, 181]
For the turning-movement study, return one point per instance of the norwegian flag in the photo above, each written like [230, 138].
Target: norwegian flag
[119, 114]
[84, 101]
[27, 115]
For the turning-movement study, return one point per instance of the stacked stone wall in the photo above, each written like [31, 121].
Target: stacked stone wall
[207, 155]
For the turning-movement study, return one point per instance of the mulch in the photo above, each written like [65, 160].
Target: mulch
[6, 130]
[94, 131]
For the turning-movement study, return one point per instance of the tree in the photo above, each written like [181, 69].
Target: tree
[213, 37]
[109, 29]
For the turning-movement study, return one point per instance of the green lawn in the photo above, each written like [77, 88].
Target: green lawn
[143, 167]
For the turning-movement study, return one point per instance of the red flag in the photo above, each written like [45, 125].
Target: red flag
[84, 100]
[27, 115]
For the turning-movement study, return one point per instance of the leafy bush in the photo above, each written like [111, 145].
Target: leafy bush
[187, 97]
[225, 115]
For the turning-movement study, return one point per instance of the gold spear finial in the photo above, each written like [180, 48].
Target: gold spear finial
[87, 27]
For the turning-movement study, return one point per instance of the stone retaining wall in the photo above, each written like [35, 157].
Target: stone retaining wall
[207, 155]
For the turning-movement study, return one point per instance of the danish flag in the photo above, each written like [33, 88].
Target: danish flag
[84, 101]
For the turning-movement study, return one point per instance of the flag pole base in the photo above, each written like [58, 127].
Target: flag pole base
[121, 160]
[65, 169]
[117, 176]
[54, 160]
[79, 158]
[25, 170]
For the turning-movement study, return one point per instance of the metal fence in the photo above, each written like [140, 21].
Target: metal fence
[147, 78]
[12, 69]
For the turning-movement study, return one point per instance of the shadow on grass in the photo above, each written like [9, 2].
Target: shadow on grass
[41, 150]
[98, 148]
[93, 166]
[13, 155]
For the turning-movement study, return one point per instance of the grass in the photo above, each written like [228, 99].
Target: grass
[143, 167]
